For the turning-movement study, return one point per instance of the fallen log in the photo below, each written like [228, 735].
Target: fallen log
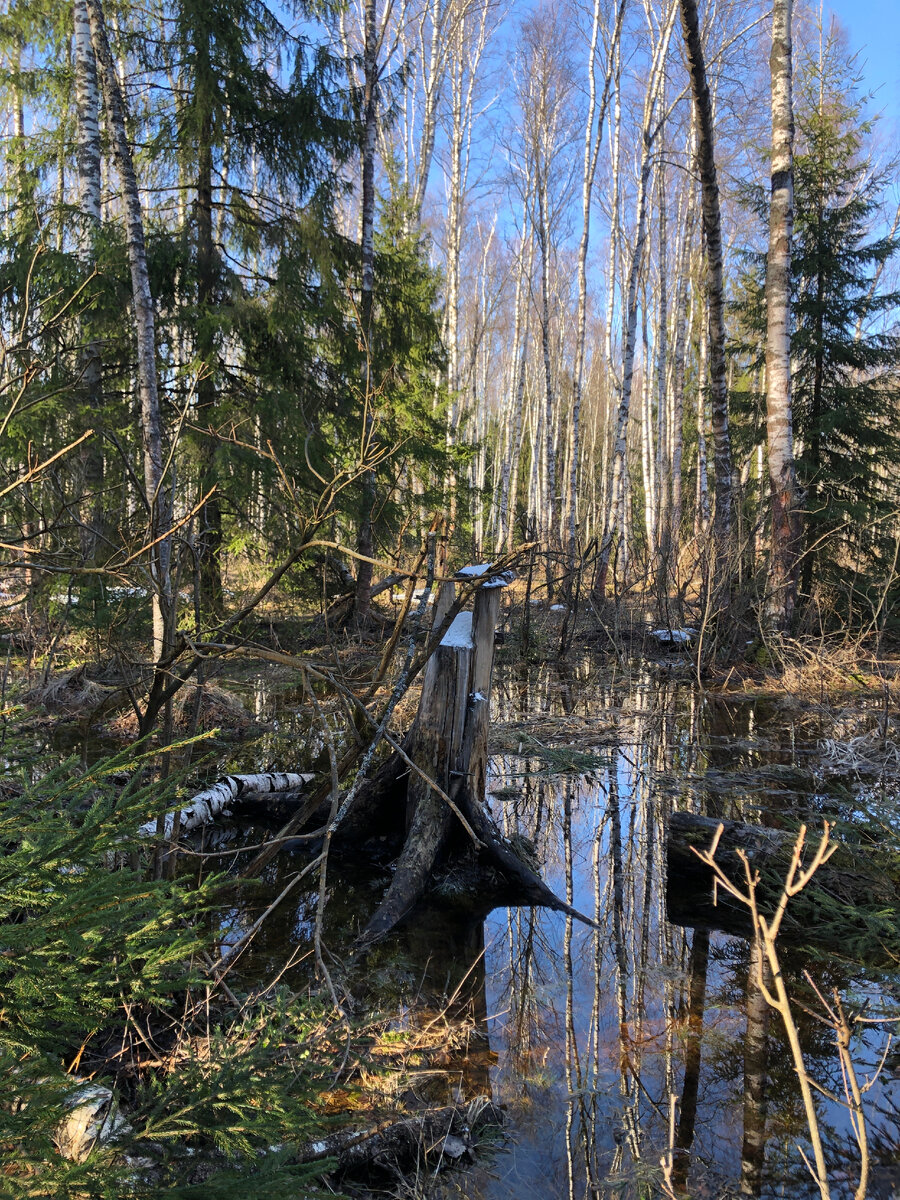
[218, 800]
[844, 904]
[437, 1134]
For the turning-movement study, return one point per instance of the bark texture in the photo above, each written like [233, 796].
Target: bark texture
[786, 531]
[216, 801]
[87, 107]
[151, 422]
[712, 234]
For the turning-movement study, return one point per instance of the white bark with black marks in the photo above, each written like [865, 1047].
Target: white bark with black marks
[151, 421]
[215, 801]
[87, 105]
[779, 423]
[87, 108]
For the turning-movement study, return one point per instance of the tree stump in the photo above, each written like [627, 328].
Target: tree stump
[448, 745]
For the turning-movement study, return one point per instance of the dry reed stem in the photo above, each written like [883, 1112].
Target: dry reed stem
[766, 931]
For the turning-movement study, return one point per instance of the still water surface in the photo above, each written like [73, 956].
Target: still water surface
[612, 1048]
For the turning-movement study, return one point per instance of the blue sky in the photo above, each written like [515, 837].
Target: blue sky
[873, 27]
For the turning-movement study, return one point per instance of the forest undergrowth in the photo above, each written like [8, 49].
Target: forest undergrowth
[135, 1061]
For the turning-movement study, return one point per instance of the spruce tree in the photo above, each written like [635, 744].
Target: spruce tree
[258, 149]
[845, 355]
[845, 351]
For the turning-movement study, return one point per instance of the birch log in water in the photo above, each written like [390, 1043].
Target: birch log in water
[215, 801]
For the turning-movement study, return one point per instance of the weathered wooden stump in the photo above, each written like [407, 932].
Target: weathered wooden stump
[445, 810]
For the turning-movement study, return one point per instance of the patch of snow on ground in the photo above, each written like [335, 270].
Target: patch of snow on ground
[674, 637]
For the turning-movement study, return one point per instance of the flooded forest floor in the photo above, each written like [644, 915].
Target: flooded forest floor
[637, 1058]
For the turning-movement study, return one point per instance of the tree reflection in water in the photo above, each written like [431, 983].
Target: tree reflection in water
[596, 1030]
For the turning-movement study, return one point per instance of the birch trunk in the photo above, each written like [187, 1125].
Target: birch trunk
[612, 274]
[662, 462]
[786, 530]
[23, 183]
[701, 519]
[615, 495]
[547, 515]
[151, 422]
[596, 116]
[616, 483]
[648, 450]
[715, 304]
[467, 51]
[433, 62]
[506, 535]
[673, 522]
[454, 252]
[87, 107]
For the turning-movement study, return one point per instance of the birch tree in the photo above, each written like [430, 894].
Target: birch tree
[145, 328]
[515, 402]
[548, 133]
[786, 531]
[469, 32]
[593, 133]
[616, 500]
[87, 107]
[712, 233]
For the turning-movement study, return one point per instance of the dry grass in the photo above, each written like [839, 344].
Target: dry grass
[863, 741]
[812, 670]
[218, 709]
[76, 694]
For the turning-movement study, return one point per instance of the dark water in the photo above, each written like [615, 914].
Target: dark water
[611, 1048]
[616, 1047]
[624, 1045]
